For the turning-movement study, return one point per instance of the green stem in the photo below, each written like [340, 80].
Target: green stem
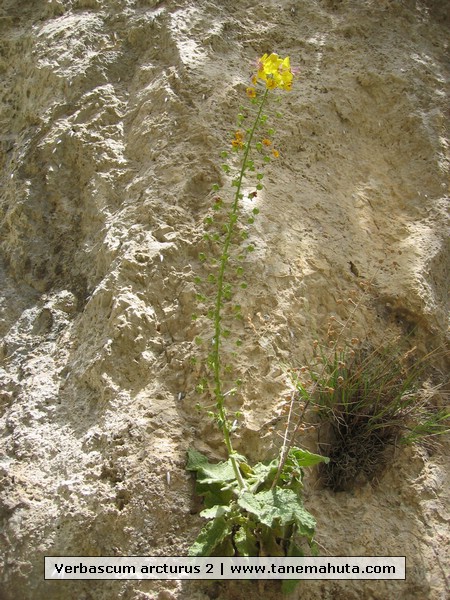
[217, 311]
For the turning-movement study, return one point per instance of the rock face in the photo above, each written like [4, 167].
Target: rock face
[113, 114]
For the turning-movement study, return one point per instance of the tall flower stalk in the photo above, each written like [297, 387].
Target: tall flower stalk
[274, 73]
[251, 510]
[216, 354]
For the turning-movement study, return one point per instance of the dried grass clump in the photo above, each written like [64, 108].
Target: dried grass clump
[367, 399]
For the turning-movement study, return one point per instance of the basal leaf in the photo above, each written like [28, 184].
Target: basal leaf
[214, 493]
[211, 535]
[263, 474]
[305, 522]
[270, 539]
[288, 586]
[195, 460]
[220, 472]
[214, 481]
[282, 505]
[303, 458]
[215, 511]
[209, 472]
[245, 540]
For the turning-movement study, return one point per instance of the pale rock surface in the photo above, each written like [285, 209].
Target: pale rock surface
[113, 114]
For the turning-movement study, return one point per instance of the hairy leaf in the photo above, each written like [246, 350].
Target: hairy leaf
[281, 506]
[195, 460]
[288, 586]
[208, 472]
[262, 475]
[303, 458]
[215, 511]
[245, 540]
[211, 535]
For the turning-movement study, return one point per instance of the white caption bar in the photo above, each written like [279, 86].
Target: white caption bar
[183, 567]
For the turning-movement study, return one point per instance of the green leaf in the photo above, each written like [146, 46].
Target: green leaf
[270, 539]
[288, 586]
[263, 474]
[278, 506]
[195, 460]
[227, 291]
[303, 458]
[245, 541]
[211, 535]
[216, 493]
[201, 387]
[216, 482]
[215, 511]
[209, 472]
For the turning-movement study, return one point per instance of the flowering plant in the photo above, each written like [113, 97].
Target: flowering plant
[256, 509]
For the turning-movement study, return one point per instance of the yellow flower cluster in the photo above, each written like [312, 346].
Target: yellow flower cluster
[275, 72]
[238, 141]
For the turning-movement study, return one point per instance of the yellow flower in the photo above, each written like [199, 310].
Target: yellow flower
[238, 141]
[275, 153]
[266, 142]
[251, 92]
[275, 72]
